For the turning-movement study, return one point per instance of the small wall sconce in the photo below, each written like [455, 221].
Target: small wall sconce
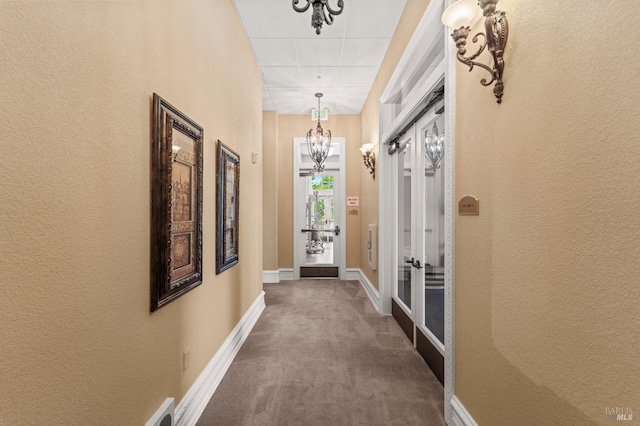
[459, 16]
[369, 158]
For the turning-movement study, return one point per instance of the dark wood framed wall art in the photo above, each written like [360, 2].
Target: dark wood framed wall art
[176, 204]
[228, 207]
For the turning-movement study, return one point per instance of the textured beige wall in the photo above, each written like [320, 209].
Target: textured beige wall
[270, 162]
[290, 126]
[370, 122]
[79, 345]
[547, 290]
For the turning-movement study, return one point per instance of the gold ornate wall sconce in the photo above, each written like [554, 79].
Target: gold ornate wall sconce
[459, 16]
[369, 158]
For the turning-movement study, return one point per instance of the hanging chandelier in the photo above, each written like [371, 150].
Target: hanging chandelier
[319, 14]
[318, 143]
[434, 146]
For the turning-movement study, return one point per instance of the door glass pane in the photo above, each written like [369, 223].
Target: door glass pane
[319, 219]
[404, 225]
[434, 236]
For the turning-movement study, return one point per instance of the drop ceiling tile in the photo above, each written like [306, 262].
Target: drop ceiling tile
[329, 76]
[282, 93]
[265, 19]
[364, 52]
[357, 76]
[348, 108]
[352, 99]
[275, 52]
[281, 77]
[346, 92]
[292, 108]
[287, 99]
[328, 94]
[318, 52]
[345, 109]
[292, 56]
[375, 18]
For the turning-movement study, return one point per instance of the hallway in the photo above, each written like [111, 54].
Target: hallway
[321, 355]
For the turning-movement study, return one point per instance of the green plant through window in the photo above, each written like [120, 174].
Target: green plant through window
[319, 183]
[323, 205]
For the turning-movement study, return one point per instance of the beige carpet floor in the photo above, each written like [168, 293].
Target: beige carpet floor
[321, 355]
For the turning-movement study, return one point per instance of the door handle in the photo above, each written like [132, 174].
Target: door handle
[410, 261]
[337, 230]
[416, 264]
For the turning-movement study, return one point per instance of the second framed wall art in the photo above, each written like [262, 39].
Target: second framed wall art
[228, 208]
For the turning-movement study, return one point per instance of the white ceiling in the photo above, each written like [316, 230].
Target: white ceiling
[341, 62]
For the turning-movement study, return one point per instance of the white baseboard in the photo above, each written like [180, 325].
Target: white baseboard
[459, 415]
[168, 408]
[194, 402]
[372, 293]
[353, 274]
[282, 274]
[270, 276]
[286, 274]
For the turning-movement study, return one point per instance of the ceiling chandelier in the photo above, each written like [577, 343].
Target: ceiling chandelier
[319, 14]
[318, 143]
[434, 146]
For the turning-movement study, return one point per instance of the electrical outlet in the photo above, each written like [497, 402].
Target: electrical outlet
[186, 359]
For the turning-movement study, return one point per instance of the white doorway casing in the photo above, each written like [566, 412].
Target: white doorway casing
[336, 163]
[413, 67]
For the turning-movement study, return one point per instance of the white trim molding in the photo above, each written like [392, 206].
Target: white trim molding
[167, 408]
[286, 274]
[270, 276]
[449, 226]
[356, 274]
[459, 415]
[196, 399]
[353, 274]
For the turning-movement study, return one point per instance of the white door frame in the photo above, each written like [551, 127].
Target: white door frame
[427, 31]
[339, 144]
[397, 169]
[420, 192]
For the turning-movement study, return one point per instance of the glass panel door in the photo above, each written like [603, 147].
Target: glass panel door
[420, 227]
[404, 167]
[319, 237]
[431, 138]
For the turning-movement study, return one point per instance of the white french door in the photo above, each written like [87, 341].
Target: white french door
[415, 225]
[319, 213]
[318, 210]
[419, 285]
